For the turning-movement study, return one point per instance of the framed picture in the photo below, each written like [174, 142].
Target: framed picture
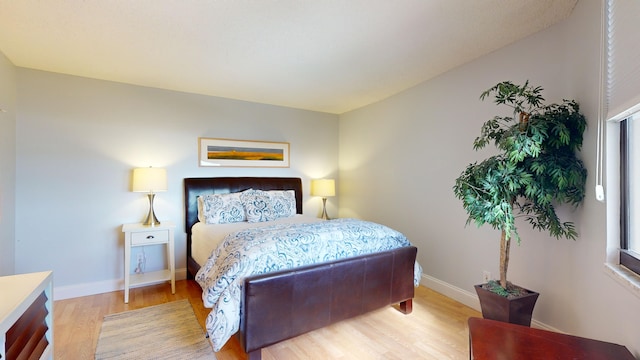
[243, 153]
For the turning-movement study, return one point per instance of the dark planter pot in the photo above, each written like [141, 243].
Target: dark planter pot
[515, 311]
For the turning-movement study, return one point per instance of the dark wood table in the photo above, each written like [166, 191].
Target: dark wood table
[490, 339]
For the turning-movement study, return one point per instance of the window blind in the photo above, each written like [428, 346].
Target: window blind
[623, 58]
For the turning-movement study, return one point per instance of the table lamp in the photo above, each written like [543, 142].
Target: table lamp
[150, 180]
[323, 188]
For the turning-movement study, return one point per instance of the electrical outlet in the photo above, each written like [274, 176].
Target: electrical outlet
[486, 276]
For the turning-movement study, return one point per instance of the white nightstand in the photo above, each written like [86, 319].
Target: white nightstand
[141, 235]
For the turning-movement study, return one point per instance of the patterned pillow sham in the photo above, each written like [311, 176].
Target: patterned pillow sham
[221, 208]
[261, 205]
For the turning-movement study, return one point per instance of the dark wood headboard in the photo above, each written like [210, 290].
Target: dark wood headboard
[194, 187]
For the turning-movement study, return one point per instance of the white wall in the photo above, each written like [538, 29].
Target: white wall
[399, 159]
[78, 139]
[7, 165]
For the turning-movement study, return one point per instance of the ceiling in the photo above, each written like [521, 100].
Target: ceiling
[323, 55]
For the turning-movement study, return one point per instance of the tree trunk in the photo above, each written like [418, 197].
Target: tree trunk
[504, 258]
[524, 119]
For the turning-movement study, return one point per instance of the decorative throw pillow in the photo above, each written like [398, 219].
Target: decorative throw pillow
[262, 205]
[221, 208]
[283, 202]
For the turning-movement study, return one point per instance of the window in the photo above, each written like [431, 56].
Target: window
[630, 193]
[621, 73]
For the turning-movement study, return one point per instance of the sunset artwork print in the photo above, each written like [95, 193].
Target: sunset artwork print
[243, 153]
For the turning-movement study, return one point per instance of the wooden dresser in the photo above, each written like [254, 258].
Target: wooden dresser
[490, 340]
[26, 316]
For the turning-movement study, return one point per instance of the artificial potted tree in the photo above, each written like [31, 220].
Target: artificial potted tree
[536, 168]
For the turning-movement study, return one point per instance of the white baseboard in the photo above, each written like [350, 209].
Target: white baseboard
[98, 287]
[465, 297]
[468, 298]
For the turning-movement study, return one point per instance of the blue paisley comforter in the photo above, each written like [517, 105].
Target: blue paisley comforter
[277, 247]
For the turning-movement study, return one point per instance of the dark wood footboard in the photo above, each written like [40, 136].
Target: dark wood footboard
[282, 305]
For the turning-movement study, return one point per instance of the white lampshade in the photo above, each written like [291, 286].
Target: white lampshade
[149, 180]
[323, 187]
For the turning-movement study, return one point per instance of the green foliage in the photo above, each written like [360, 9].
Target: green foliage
[512, 291]
[495, 287]
[536, 167]
[521, 98]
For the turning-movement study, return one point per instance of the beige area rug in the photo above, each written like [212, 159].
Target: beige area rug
[166, 331]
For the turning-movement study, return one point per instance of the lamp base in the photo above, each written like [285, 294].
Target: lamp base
[151, 220]
[324, 215]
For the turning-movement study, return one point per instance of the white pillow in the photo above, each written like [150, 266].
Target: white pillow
[221, 209]
[270, 205]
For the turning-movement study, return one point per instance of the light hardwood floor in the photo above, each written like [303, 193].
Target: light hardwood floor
[436, 329]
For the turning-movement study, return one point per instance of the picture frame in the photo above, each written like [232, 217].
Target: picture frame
[242, 153]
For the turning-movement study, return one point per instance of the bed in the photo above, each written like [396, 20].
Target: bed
[309, 297]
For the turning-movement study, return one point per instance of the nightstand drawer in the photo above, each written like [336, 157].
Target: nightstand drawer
[149, 237]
